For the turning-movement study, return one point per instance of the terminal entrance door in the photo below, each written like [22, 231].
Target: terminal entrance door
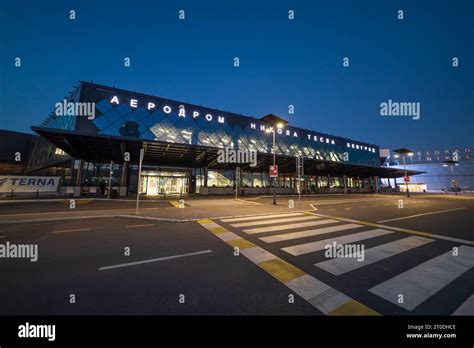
[157, 183]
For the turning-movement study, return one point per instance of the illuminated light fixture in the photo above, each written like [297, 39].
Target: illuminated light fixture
[410, 154]
[445, 165]
[279, 125]
[396, 156]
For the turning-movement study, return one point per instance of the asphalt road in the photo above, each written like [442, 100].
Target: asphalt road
[408, 251]
[71, 254]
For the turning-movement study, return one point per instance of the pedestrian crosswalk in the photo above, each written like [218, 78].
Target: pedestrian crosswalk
[419, 283]
[306, 248]
[305, 236]
[340, 266]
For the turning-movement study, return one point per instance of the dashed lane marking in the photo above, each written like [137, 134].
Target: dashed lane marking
[326, 299]
[397, 229]
[72, 230]
[423, 214]
[105, 268]
[142, 225]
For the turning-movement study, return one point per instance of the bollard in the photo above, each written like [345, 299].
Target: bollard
[11, 195]
[37, 194]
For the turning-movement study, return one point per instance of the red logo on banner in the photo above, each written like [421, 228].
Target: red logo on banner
[406, 178]
[273, 171]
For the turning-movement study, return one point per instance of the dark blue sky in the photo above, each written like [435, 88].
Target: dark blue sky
[282, 62]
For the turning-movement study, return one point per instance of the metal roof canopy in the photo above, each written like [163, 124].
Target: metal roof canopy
[273, 119]
[102, 149]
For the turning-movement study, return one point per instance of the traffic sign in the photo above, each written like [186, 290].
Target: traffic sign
[406, 178]
[273, 171]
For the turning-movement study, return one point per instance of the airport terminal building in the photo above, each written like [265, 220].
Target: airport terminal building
[441, 169]
[94, 137]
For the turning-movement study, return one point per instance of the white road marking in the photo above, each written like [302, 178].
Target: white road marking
[79, 212]
[227, 236]
[73, 230]
[398, 229]
[421, 282]
[340, 266]
[276, 221]
[153, 260]
[267, 216]
[413, 216]
[143, 225]
[314, 232]
[287, 227]
[256, 254]
[467, 308]
[319, 294]
[306, 248]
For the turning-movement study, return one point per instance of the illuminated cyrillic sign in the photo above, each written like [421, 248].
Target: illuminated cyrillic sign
[195, 114]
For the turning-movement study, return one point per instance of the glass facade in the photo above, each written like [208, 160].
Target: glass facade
[444, 169]
[131, 116]
[126, 114]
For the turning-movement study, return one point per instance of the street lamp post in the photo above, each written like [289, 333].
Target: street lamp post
[450, 163]
[404, 152]
[272, 129]
[274, 164]
[406, 181]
